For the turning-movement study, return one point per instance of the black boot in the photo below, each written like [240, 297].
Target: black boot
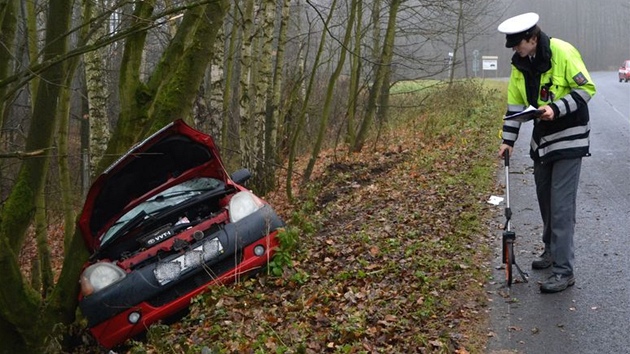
[557, 282]
[544, 261]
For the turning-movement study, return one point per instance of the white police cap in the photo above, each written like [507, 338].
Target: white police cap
[518, 27]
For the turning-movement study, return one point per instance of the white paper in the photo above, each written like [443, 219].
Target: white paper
[528, 114]
[495, 200]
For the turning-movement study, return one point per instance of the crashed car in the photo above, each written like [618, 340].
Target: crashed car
[164, 223]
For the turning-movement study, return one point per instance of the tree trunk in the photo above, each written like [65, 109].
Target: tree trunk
[355, 77]
[134, 95]
[376, 30]
[458, 34]
[266, 147]
[246, 90]
[382, 111]
[384, 63]
[216, 83]
[8, 28]
[32, 38]
[301, 120]
[329, 93]
[26, 321]
[273, 106]
[42, 278]
[175, 96]
[173, 86]
[19, 304]
[229, 88]
[99, 130]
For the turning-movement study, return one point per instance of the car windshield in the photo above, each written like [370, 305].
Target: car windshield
[162, 201]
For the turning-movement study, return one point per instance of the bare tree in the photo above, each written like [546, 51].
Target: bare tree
[355, 77]
[303, 112]
[20, 303]
[381, 74]
[29, 310]
[323, 125]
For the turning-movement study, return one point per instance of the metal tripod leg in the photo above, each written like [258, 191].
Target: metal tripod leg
[521, 273]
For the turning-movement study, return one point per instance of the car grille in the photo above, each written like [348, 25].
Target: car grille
[186, 286]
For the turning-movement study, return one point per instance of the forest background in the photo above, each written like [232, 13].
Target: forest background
[82, 81]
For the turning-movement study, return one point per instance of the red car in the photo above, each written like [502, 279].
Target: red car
[163, 223]
[624, 71]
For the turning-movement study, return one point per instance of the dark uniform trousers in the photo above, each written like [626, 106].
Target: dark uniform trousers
[556, 188]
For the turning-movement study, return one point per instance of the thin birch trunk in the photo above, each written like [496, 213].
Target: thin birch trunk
[246, 90]
[273, 107]
[98, 120]
[229, 75]
[266, 146]
[260, 81]
[217, 82]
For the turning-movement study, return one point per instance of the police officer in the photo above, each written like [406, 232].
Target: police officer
[549, 74]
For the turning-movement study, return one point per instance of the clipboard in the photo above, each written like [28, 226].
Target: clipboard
[526, 115]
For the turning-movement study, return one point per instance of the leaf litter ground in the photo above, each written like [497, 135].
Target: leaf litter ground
[396, 263]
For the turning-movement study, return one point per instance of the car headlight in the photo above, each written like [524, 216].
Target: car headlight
[242, 204]
[98, 276]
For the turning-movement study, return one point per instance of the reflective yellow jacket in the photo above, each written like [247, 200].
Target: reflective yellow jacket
[558, 77]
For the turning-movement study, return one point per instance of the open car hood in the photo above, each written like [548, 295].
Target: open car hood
[174, 154]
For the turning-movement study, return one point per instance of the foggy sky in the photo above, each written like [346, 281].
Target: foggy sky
[598, 29]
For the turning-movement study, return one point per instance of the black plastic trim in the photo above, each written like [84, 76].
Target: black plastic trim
[141, 285]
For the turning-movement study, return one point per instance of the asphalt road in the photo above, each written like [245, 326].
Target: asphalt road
[594, 315]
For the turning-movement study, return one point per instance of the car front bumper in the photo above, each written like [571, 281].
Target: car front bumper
[130, 305]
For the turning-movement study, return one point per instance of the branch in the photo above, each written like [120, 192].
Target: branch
[21, 154]
[26, 75]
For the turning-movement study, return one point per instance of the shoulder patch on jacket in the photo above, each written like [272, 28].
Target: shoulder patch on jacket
[580, 79]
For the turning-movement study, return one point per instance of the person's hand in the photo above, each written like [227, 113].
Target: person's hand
[503, 148]
[547, 114]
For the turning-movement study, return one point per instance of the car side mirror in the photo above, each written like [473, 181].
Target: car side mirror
[241, 176]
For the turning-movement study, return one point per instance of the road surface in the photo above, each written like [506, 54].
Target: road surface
[594, 315]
